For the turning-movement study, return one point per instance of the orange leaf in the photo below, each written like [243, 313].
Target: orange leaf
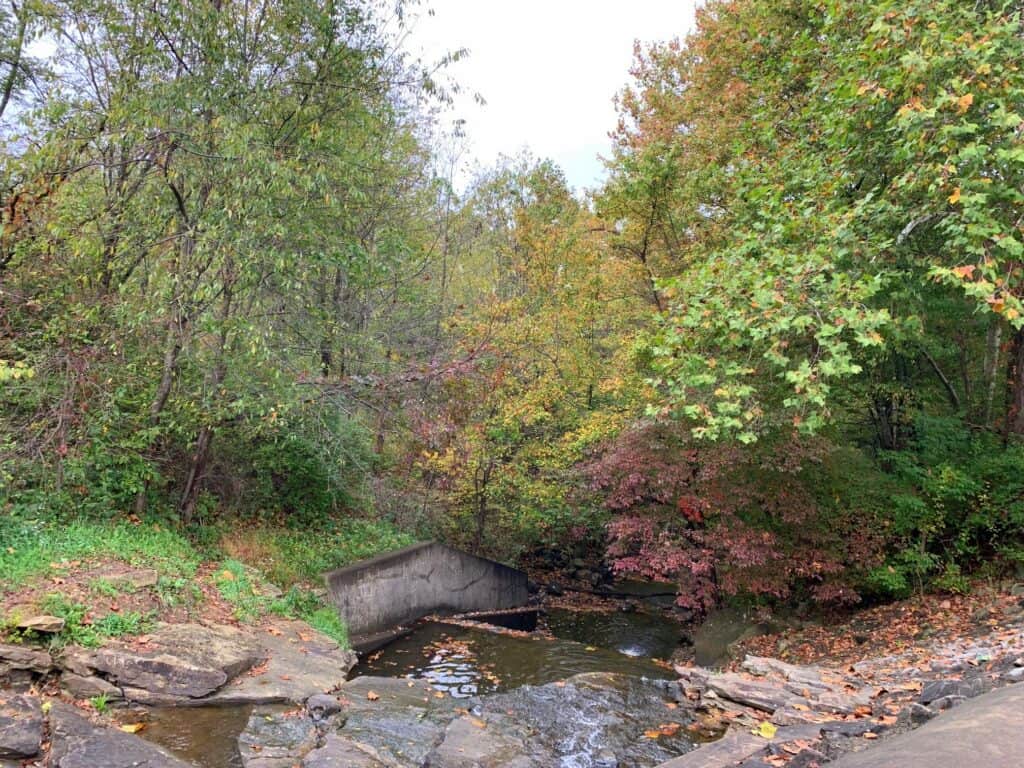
[955, 197]
[372, 696]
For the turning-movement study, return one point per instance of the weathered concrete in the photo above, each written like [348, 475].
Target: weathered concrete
[407, 584]
[987, 731]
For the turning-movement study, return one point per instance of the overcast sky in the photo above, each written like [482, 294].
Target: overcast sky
[548, 70]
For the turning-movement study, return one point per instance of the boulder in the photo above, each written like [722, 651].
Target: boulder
[25, 657]
[276, 739]
[174, 664]
[938, 689]
[300, 662]
[78, 743]
[916, 714]
[41, 623]
[21, 726]
[89, 686]
[753, 693]
[322, 706]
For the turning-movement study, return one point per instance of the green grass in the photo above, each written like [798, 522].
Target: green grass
[303, 556]
[77, 632]
[30, 548]
[238, 586]
[327, 620]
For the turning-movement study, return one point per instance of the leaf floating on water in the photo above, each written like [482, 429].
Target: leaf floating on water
[133, 727]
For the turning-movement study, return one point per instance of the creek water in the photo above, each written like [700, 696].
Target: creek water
[460, 662]
[465, 662]
[207, 737]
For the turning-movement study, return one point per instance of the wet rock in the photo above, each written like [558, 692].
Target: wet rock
[574, 722]
[179, 662]
[1015, 675]
[606, 759]
[754, 693]
[300, 662]
[78, 743]
[916, 714]
[393, 721]
[86, 687]
[470, 742]
[276, 739]
[25, 658]
[41, 623]
[554, 590]
[322, 706]
[339, 752]
[21, 726]
[938, 689]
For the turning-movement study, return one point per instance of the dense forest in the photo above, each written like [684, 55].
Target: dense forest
[777, 356]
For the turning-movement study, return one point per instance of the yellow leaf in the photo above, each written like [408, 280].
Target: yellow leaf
[766, 730]
[955, 197]
[964, 102]
[133, 727]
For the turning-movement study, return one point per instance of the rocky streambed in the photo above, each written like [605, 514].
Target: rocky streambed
[281, 695]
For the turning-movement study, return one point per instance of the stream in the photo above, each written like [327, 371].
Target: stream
[459, 662]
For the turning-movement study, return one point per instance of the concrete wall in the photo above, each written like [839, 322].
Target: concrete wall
[407, 584]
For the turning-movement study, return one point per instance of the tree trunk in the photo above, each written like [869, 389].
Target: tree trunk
[190, 494]
[1015, 386]
[992, 350]
[163, 391]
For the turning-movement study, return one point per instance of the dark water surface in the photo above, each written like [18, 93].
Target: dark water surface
[637, 634]
[466, 662]
[207, 737]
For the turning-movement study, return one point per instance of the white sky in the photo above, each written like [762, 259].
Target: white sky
[548, 70]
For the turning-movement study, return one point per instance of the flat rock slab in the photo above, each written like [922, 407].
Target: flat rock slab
[78, 743]
[737, 746]
[986, 731]
[470, 742]
[300, 662]
[339, 752]
[21, 726]
[25, 657]
[275, 738]
[173, 663]
[397, 722]
[767, 697]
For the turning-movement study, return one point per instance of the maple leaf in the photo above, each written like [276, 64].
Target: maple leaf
[965, 271]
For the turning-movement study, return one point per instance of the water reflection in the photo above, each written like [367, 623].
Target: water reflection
[466, 662]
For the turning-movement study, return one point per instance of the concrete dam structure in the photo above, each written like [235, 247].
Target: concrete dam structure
[396, 588]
